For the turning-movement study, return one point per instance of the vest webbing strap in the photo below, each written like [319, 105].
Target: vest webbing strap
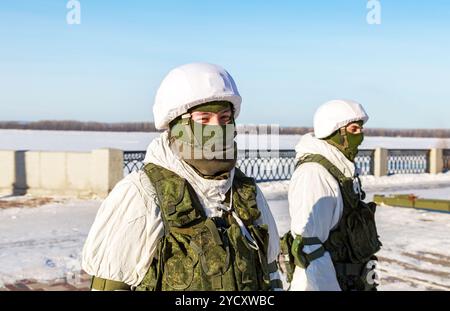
[320, 159]
[303, 258]
[311, 241]
[273, 267]
[108, 285]
[334, 171]
[156, 175]
[316, 254]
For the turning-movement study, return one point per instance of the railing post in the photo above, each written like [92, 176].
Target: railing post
[381, 162]
[106, 170]
[436, 161]
[8, 171]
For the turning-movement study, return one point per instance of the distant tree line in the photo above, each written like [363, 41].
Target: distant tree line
[436, 133]
[80, 126]
[70, 125]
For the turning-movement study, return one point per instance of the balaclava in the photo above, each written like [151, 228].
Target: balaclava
[346, 142]
[209, 149]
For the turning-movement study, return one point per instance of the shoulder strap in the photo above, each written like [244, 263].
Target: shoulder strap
[101, 284]
[345, 183]
[320, 159]
[171, 191]
[244, 198]
[168, 185]
[238, 174]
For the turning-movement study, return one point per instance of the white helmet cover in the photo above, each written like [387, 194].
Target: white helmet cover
[335, 114]
[191, 85]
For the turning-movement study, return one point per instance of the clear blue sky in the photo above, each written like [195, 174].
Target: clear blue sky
[287, 57]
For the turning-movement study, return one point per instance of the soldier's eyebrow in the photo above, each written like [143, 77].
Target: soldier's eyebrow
[202, 113]
[226, 110]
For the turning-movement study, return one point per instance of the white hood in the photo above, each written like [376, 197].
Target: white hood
[309, 144]
[210, 192]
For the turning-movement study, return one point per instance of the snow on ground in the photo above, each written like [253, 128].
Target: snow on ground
[416, 244]
[45, 242]
[416, 247]
[278, 189]
[137, 141]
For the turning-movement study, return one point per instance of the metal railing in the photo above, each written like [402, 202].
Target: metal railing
[267, 165]
[263, 165]
[408, 162]
[132, 161]
[446, 157]
[365, 163]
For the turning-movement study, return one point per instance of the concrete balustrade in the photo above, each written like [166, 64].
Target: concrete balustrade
[60, 173]
[381, 162]
[96, 173]
[436, 161]
[7, 171]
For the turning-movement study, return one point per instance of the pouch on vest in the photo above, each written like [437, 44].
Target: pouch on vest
[362, 232]
[248, 260]
[214, 254]
[179, 262]
[286, 259]
[261, 235]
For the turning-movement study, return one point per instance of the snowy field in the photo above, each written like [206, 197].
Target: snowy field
[416, 243]
[86, 141]
[42, 238]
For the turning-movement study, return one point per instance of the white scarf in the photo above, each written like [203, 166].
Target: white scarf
[210, 192]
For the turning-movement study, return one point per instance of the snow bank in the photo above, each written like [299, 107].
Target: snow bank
[43, 243]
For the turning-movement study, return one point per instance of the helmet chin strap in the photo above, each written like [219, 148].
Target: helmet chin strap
[186, 121]
[341, 141]
[344, 139]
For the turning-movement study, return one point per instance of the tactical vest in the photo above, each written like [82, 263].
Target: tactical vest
[201, 253]
[353, 243]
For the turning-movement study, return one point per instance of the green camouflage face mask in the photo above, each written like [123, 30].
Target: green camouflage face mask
[346, 142]
[354, 141]
[210, 149]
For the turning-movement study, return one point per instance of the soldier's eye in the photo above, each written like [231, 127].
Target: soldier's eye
[201, 118]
